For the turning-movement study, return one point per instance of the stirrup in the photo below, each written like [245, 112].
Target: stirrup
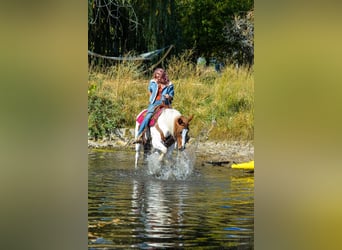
[139, 139]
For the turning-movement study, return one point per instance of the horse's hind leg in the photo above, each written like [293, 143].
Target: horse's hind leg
[137, 152]
[137, 145]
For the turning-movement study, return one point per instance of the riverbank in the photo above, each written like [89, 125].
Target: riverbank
[222, 104]
[209, 151]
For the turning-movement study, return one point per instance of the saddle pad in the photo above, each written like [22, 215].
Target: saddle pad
[141, 117]
[153, 119]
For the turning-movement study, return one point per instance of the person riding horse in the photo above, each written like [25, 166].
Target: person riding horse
[161, 91]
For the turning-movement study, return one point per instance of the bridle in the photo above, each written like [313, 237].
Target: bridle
[180, 132]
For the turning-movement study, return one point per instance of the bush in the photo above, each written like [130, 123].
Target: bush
[103, 116]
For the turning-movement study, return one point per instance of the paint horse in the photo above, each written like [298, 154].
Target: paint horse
[169, 131]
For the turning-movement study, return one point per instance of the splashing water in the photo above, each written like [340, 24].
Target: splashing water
[179, 166]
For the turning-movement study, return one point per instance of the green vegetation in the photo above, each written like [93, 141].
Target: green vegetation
[222, 103]
[218, 29]
[221, 31]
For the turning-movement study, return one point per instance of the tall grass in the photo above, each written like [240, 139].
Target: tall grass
[222, 103]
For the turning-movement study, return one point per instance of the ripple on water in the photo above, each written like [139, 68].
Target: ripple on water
[130, 208]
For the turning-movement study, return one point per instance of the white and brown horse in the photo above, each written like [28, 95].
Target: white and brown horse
[169, 131]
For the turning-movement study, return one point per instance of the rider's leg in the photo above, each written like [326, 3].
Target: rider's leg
[143, 125]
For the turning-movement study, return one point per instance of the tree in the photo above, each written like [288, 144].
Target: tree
[110, 23]
[116, 27]
[202, 23]
[239, 34]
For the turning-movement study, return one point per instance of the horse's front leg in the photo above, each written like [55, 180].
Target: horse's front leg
[157, 144]
[161, 157]
[169, 152]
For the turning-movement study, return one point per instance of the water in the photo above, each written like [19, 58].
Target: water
[179, 166]
[197, 207]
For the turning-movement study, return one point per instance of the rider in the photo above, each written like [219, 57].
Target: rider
[161, 92]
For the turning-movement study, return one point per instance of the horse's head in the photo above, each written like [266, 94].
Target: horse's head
[181, 131]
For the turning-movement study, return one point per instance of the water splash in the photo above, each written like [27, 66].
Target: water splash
[179, 166]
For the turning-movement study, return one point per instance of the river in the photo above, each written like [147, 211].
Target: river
[199, 207]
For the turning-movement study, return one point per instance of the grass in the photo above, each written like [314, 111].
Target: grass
[222, 103]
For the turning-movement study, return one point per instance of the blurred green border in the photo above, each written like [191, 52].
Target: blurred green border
[297, 125]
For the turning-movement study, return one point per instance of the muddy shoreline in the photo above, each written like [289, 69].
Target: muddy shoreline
[211, 151]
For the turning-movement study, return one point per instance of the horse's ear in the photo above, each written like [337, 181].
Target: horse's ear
[180, 121]
[190, 118]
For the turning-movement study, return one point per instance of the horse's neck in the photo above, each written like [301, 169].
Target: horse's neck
[167, 120]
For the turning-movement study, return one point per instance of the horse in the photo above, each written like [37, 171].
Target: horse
[170, 131]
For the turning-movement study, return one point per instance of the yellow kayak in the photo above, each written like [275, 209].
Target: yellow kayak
[245, 165]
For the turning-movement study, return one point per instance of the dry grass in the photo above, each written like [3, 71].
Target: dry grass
[222, 104]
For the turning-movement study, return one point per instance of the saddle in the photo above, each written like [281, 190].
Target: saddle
[154, 118]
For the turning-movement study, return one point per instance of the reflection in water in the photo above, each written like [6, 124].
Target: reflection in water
[160, 211]
[214, 207]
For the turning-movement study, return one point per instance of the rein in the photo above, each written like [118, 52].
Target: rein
[160, 131]
[156, 124]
